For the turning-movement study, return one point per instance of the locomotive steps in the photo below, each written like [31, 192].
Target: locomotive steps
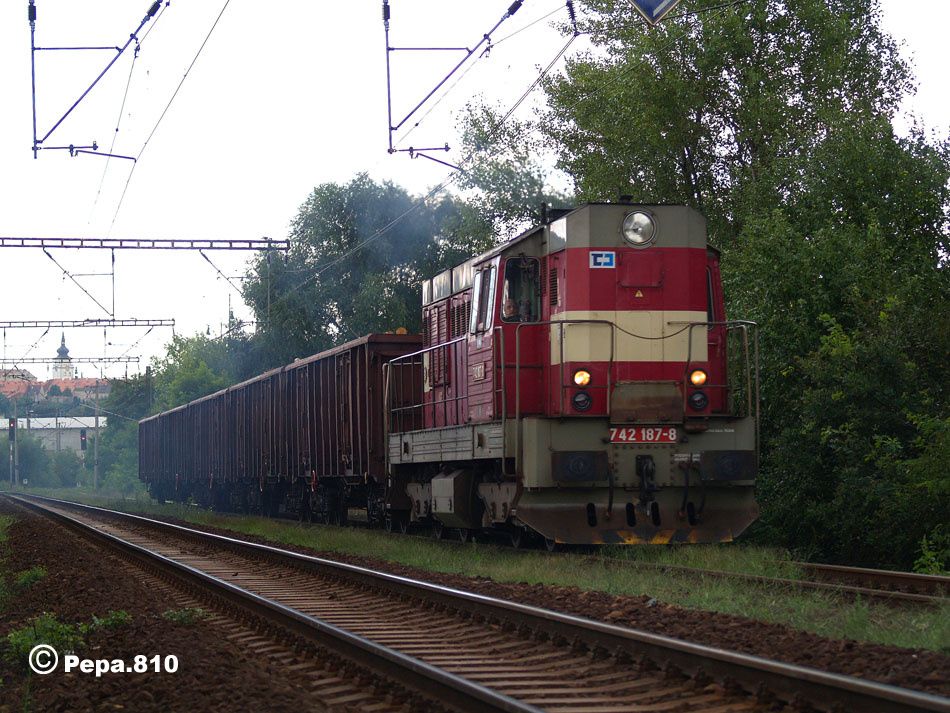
[532, 656]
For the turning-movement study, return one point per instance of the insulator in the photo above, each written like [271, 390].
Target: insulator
[31, 12]
[515, 6]
[154, 8]
[571, 13]
[385, 10]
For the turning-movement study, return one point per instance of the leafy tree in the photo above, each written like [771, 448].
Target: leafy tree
[358, 254]
[66, 468]
[185, 375]
[773, 117]
[33, 460]
[508, 182]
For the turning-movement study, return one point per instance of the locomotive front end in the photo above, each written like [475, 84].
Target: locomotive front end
[579, 382]
[648, 430]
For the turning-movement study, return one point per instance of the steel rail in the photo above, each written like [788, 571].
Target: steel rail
[938, 585]
[423, 678]
[931, 585]
[823, 690]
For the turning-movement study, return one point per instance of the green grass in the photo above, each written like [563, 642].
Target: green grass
[29, 577]
[185, 617]
[612, 570]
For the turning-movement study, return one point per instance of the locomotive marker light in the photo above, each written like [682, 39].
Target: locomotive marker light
[639, 229]
[582, 401]
[582, 377]
[698, 400]
[697, 377]
[654, 10]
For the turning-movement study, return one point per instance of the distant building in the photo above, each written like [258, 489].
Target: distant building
[20, 383]
[16, 374]
[17, 383]
[63, 366]
[61, 434]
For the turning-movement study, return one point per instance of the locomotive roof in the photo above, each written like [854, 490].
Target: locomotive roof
[399, 339]
[459, 278]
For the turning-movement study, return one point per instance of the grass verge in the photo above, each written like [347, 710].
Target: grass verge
[615, 573]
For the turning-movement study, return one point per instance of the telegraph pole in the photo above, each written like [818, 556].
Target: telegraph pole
[95, 445]
[12, 438]
[15, 451]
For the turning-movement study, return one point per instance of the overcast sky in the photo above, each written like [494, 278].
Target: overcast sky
[284, 96]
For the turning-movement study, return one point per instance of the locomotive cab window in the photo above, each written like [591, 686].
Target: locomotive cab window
[483, 294]
[521, 296]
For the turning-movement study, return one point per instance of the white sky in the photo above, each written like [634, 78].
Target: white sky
[284, 96]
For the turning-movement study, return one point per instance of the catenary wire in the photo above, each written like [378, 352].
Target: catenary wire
[217, 270]
[76, 282]
[165, 111]
[136, 343]
[125, 96]
[434, 191]
[468, 69]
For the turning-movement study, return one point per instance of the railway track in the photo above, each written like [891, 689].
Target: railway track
[472, 652]
[885, 586]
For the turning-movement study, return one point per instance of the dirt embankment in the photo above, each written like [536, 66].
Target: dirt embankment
[214, 674]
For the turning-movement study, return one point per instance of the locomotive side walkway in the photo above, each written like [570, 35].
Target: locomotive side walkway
[566, 660]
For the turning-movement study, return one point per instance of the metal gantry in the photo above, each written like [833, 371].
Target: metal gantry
[259, 244]
[72, 360]
[63, 323]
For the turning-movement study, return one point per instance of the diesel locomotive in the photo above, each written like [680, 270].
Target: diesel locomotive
[579, 384]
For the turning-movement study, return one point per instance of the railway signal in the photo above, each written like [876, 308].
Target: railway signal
[12, 430]
[82, 439]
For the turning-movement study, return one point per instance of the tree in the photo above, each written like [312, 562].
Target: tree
[773, 117]
[359, 252]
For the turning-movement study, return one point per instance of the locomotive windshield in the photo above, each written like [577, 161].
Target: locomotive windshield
[521, 297]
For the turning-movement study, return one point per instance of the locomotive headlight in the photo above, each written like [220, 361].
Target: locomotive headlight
[639, 228]
[697, 377]
[698, 401]
[582, 377]
[582, 401]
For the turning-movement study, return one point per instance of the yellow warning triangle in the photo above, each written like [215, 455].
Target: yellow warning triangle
[638, 294]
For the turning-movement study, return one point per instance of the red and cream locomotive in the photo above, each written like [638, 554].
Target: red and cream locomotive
[579, 383]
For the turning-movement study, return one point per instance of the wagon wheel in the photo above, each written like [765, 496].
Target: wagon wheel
[404, 525]
[389, 523]
[438, 530]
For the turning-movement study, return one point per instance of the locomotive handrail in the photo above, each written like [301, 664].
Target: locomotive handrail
[411, 360]
[746, 326]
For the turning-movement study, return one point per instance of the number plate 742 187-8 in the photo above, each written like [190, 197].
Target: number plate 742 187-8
[643, 434]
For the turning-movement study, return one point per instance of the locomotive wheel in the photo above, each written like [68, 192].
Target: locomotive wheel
[466, 535]
[405, 525]
[517, 538]
[551, 545]
[438, 530]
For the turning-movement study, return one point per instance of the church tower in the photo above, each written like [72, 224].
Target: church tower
[63, 366]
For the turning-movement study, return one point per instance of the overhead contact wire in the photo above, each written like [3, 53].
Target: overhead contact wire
[165, 111]
[76, 282]
[434, 191]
